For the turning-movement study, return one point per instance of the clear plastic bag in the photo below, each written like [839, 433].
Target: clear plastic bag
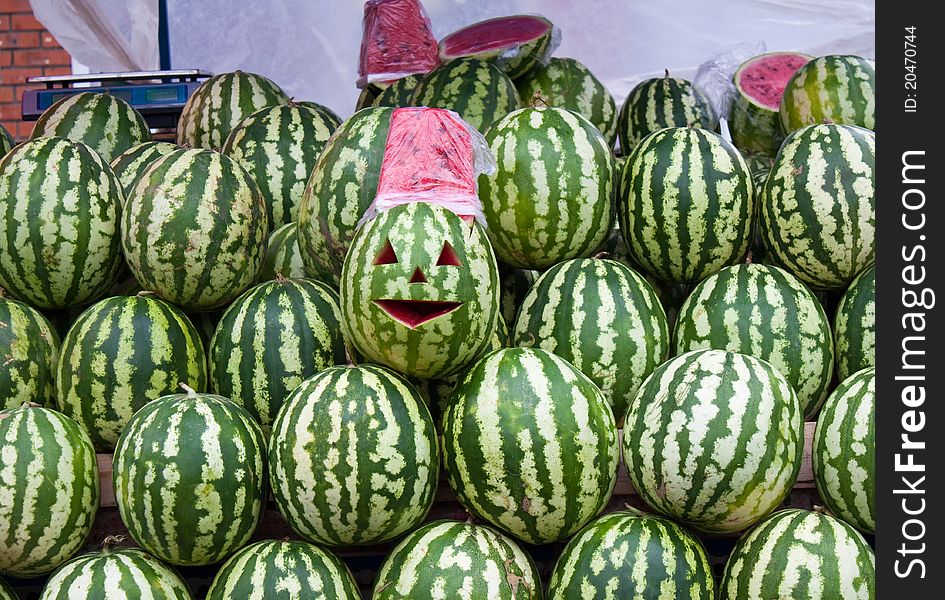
[396, 41]
[715, 78]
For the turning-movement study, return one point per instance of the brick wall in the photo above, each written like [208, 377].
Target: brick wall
[26, 50]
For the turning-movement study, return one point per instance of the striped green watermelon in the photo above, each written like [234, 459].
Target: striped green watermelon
[103, 122]
[685, 205]
[530, 444]
[29, 350]
[420, 291]
[353, 457]
[714, 439]
[71, 255]
[628, 554]
[206, 323]
[399, 93]
[854, 325]
[220, 103]
[603, 318]
[115, 574]
[760, 167]
[476, 90]
[120, 354]
[194, 229]
[451, 559]
[551, 197]
[367, 97]
[327, 113]
[270, 339]
[818, 205]
[514, 284]
[830, 89]
[130, 164]
[6, 141]
[844, 450]
[189, 474]
[6, 592]
[278, 147]
[662, 102]
[516, 44]
[340, 188]
[767, 313]
[566, 83]
[283, 570]
[283, 256]
[49, 490]
[800, 555]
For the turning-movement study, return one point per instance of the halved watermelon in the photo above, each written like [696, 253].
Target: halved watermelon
[516, 44]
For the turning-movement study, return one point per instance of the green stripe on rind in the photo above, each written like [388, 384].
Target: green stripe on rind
[353, 457]
[278, 146]
[603, 318]
[451, 559]
[476, 90]
[6, 592]
[844, 450]
[767, 313]
[800, 555]
[59, 210]
[628, 554]
[551, 197]
[283, 255]
[398, 93]
[105, 123]
[514, 285]
[189, 475]
[130, 164]
[855, 325]
[120, 354]
[441, 346]
[220, 103]
[566, 83]
[830, 89]
[6, 141]
[818, 207]
[714, 439]
[29, 350]
[686, 204]
[194, 229]
[658, 103]
[341, 187]
[272, 338]
[283, 570]
[50, 490]
[124, 574]
[530, 445]
[324, 111]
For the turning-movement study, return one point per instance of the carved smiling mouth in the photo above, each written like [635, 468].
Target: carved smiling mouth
[414, 313]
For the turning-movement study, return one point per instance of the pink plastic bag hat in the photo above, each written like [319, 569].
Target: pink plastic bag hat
[397, 41]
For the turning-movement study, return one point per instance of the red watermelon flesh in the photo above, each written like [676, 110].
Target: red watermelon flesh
[494, 36]
[764, 78]
[397, 40]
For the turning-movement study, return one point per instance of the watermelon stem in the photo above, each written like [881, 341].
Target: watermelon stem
[110, 542]
[190, 391]
[666, 71]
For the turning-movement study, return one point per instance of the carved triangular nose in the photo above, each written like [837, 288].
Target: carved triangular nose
[418, 276]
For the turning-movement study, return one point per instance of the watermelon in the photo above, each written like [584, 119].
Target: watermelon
[420, 291]
[6, 592]
[220, 103]
[283, 256]
[130, 164]
[103, 122]
[189, 475]
[760, 167]
[530, 445]
[6, 141]
[194, 229]
[367, 97]
[714, 439]
[844, 450]
[800, 555]
[767, 313]
[340, 188]
[115, 574]
[120, 354]
[662, 102]
[451, 559]
[70, 256]
[399, 93]
[551, 197]
[603, 318]
[283, 570]
[854, 325]
[49, 488]
[278, 147]
[818, 205]
[270, 339]
[685, 204]
[476, 90]
[353, 457]
[30, 352]
[566, 83]
[326, 113]
[628, 554]
[754, 122]
[830, 89]
[516, 44]
[514, 284]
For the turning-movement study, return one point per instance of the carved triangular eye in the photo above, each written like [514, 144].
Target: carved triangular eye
[386, 256]
[448, 257]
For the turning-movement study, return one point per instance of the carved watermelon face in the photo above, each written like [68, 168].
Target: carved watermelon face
[419, 290]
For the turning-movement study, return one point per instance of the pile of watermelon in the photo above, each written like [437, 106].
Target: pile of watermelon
[218, 321]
